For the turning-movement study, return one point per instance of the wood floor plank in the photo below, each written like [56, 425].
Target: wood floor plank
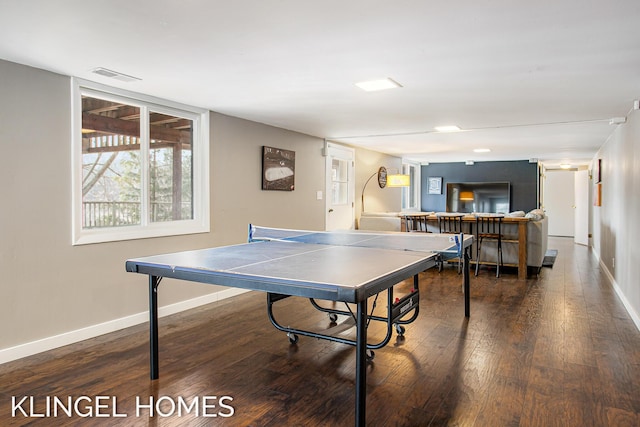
[555, 349]
[583, 393]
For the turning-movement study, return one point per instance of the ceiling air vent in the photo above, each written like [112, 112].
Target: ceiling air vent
[114, 75]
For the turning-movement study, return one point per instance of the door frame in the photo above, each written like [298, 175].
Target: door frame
[581, 204]
[332, 150]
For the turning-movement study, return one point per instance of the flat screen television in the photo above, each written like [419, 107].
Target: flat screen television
[481, 197]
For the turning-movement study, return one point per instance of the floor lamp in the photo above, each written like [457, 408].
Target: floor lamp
[386, 180]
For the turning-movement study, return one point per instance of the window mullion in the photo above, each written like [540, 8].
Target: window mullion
[145, 207]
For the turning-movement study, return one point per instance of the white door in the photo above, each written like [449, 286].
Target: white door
[581, 203]
[558, 202]
[340, 188]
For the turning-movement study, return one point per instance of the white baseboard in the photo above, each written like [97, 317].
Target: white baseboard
[627, 305]
[49, 343]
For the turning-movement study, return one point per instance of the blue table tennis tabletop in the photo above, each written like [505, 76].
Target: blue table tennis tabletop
[338, 266]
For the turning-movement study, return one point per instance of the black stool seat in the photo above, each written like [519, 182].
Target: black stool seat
[449, 223]
[489, 227]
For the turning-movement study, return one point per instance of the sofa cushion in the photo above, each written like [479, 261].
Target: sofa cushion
[380, 221]
[535, 214]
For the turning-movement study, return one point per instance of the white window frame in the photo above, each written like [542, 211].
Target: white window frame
[200, 155]
[413, 188]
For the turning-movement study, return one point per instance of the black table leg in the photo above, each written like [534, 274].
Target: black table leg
[154, 281]
[361, 363]
[467, 308]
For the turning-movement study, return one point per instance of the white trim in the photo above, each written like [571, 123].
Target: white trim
[66, 338]
[415, 186]
[627, 305]
[347, 154]
[200, 117]
[134, 96]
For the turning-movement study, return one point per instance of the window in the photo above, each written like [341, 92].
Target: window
[140, 166]
[411, 194]
[339, 181]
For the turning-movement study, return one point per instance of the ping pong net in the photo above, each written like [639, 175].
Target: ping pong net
[259, 233]
[447, 245]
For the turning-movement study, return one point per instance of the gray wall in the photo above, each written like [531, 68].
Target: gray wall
[522, 175]
[616, 229]
[49, 287]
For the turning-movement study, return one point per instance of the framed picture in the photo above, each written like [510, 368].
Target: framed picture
[278, 169]
[435, 185]
[597, 195]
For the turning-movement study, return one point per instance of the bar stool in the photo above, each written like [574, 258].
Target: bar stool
[449, 223]
[415, 223]
[489, 227]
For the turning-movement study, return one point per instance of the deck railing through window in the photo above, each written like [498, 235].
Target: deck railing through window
[119, 214]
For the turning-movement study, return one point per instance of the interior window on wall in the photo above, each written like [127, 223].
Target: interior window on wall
[139, 165]
[411, 194]
[339, 182]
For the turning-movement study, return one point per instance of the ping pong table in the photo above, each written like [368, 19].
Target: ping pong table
[348, 266]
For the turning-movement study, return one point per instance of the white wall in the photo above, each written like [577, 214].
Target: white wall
[616, 229]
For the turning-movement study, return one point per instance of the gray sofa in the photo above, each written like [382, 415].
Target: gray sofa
[537, 237]
[380, 221]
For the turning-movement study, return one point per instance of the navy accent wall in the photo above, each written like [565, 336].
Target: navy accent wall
[522, 175]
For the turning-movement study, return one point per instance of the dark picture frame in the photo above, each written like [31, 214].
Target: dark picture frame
[435, 184]
[278, 169]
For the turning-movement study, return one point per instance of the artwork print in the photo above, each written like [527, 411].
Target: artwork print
[435, 185]
[278, 169]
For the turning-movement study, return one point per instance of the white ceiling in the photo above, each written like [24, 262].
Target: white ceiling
[527, 79]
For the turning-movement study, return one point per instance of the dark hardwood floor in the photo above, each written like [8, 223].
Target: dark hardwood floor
[556, 350]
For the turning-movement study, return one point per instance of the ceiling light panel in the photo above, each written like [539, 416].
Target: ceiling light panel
[447, 128]
[381, 84]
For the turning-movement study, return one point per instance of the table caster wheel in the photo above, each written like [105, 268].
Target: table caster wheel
[400, 330]
[293, 338]
[333, 317]
[370, 355]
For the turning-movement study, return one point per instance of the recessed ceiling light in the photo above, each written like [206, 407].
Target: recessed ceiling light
[482, 150]
[565, 166]
[447, 128]
[382, 84]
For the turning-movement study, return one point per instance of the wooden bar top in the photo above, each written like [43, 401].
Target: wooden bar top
[432, 216]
